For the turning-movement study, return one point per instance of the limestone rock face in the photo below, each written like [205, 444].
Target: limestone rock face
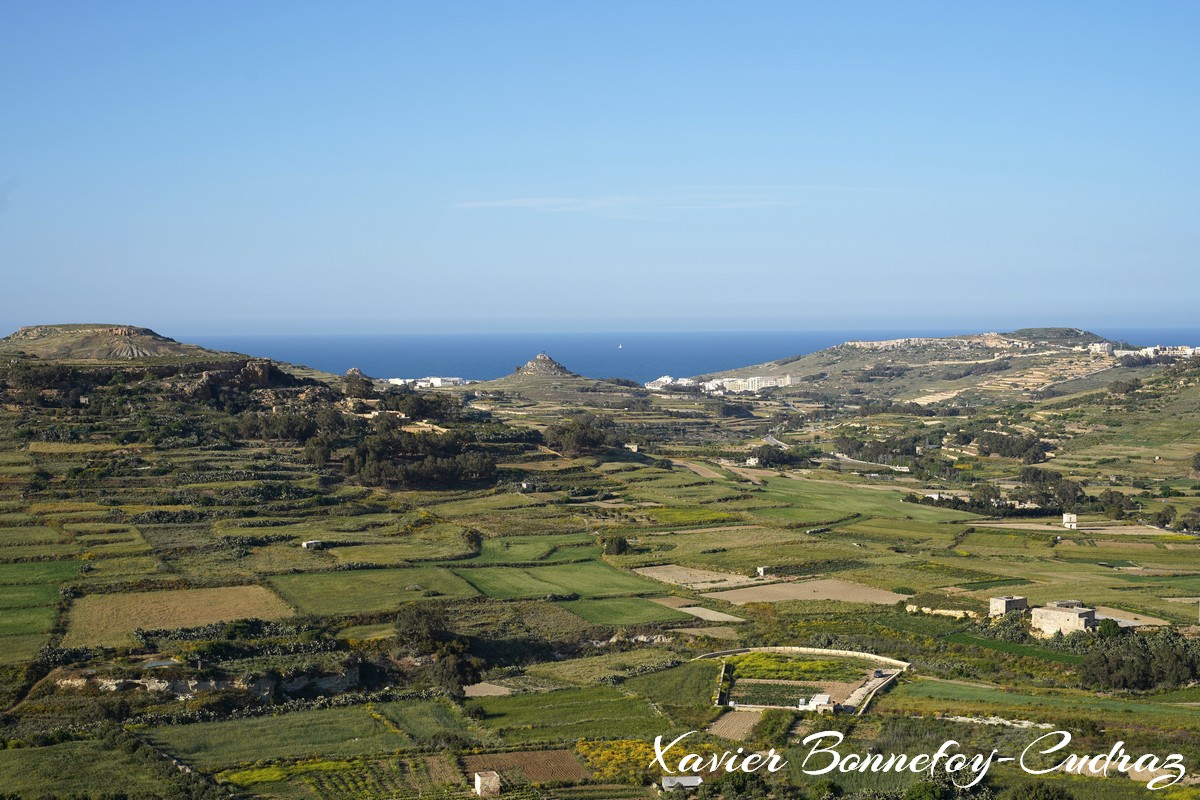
[254, 373]
[545, 366]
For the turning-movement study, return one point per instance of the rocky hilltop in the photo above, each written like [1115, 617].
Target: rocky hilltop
[543, 366]
[96, 342]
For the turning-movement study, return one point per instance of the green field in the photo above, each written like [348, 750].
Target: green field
[16, 621]
[624, 611]
[587, 579]
[74, 767]
[1014, 648]
[598, 668]
[356, 591]
[780, 666]
[809, 499]
[527, 549]
[51, 572]
[691, 684]
[926, 697]
[336, 732]
[566, 715]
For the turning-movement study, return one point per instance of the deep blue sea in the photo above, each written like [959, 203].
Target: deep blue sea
[639, 356]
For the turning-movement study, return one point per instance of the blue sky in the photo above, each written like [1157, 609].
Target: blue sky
[405, 166]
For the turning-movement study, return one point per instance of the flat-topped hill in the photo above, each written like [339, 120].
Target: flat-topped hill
[979, 367]
[97, 342]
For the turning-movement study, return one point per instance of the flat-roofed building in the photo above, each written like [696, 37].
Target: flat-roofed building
[999, 606]
[1063, 616]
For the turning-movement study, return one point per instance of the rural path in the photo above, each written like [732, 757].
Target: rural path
[700, 469]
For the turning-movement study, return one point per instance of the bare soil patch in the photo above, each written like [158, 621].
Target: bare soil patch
[735, 725]
[823, 589]
[486, 690]
[709, 615]
[700, 469]
[696, 578]
[538, 766]
[1129, 616]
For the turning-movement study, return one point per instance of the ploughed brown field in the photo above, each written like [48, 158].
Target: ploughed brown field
[538, 766]
[109, 619]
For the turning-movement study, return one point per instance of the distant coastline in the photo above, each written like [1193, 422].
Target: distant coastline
[637, 356]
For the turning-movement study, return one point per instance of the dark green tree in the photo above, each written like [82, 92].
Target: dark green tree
[582, 433]
[421, 627]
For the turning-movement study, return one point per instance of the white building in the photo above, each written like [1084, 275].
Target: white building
[1070, 522]
[669, 782]
[750, 384]
[667, 380]
[821, 703]
[428, 382]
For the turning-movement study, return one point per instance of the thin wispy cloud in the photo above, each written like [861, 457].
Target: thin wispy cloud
[556, 203]
[757, 197]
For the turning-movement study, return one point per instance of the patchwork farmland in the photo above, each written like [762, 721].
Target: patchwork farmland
[244, 586]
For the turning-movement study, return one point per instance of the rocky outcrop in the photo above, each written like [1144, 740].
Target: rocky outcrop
[184, 688]
[543, 365]
[254, 373]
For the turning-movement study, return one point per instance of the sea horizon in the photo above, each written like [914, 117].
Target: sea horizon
[639, 356]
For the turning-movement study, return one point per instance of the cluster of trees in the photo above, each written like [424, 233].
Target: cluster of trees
[582, 433]
[1030, 449]
[422, 405]
[880, 371]
[1126, 387]
[296, 427]
[885, 450]
[982, 368]
[1048, 489]
[423, 632]
[1145, 361]
[869, 408]
[613, 544]
[771, 456]
[390, 456]
[728, 410]
[1189, 522]
[1160, 660]
[1116, 505]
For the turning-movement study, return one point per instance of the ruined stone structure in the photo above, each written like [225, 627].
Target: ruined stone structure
[999, 606]
[1063, 616]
